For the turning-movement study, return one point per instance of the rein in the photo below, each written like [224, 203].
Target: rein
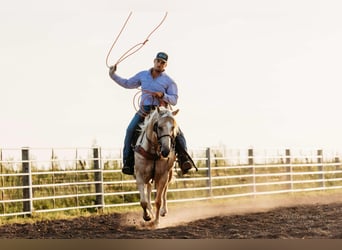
[157, 155]
[148, 155]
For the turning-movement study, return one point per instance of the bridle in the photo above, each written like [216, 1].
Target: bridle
[159, 137]
[156, 148]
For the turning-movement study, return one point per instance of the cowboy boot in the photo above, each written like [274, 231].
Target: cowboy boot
[184, 159]
[184, 163]
[128, 165]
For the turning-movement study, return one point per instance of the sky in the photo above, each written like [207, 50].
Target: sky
[250, 73]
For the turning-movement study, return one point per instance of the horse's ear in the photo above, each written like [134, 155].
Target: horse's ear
[175, 112]
[158, 109]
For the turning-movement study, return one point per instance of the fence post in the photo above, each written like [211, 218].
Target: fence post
[320, 166]
[251, 163]
[337, 160]
[207, 153]
[27, 181]
[53, 168]
[289, 167]
[2, 183]
[98, 177]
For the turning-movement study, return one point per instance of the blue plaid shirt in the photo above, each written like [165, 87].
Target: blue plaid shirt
[163, 83]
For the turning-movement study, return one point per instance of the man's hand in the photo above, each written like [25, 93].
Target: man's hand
[112, 69]
[159, 95]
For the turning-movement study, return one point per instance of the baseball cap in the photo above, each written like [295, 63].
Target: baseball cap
[162, 56]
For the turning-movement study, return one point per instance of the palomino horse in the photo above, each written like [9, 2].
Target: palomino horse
[154, 159]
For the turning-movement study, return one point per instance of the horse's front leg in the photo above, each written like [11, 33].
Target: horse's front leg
[143, 202]
[148, 196]
[164, 210]
[160, 186]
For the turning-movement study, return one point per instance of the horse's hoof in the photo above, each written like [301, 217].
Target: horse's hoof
[163, 212]
[147, 218]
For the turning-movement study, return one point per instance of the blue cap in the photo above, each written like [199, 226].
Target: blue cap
[162, 56]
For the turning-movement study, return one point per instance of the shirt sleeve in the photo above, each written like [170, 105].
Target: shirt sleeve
[130, 83]
[171, 95]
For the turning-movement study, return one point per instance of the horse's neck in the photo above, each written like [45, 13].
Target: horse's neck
[149, 141]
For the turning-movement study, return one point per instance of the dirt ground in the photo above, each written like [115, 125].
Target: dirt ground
[311, 217]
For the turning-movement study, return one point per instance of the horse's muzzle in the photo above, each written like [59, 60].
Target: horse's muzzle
[165, 142]
[165, 152]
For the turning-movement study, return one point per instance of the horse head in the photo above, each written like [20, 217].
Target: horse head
[166, 130]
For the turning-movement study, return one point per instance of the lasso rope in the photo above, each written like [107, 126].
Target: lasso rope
[117, 38]
[131, 51]
[137, 100]
[136, 47]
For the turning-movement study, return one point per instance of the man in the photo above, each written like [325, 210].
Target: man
[158, 89]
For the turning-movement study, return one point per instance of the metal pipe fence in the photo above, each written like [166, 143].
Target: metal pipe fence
[91, 178]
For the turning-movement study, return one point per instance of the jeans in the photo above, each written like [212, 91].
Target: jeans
[132, 128]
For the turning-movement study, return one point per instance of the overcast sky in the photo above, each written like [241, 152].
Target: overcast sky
[250, 73]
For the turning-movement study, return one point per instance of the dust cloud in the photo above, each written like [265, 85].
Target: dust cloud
[182, 213]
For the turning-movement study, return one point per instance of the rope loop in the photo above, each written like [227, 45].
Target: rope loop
[134, 48]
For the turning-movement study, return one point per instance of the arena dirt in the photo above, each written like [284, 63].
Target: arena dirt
[296, 216]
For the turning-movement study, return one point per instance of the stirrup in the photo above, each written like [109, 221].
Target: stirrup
[185, 166]
[128, 166]
[128, 170]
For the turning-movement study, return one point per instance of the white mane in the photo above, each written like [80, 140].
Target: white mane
[153, 117]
